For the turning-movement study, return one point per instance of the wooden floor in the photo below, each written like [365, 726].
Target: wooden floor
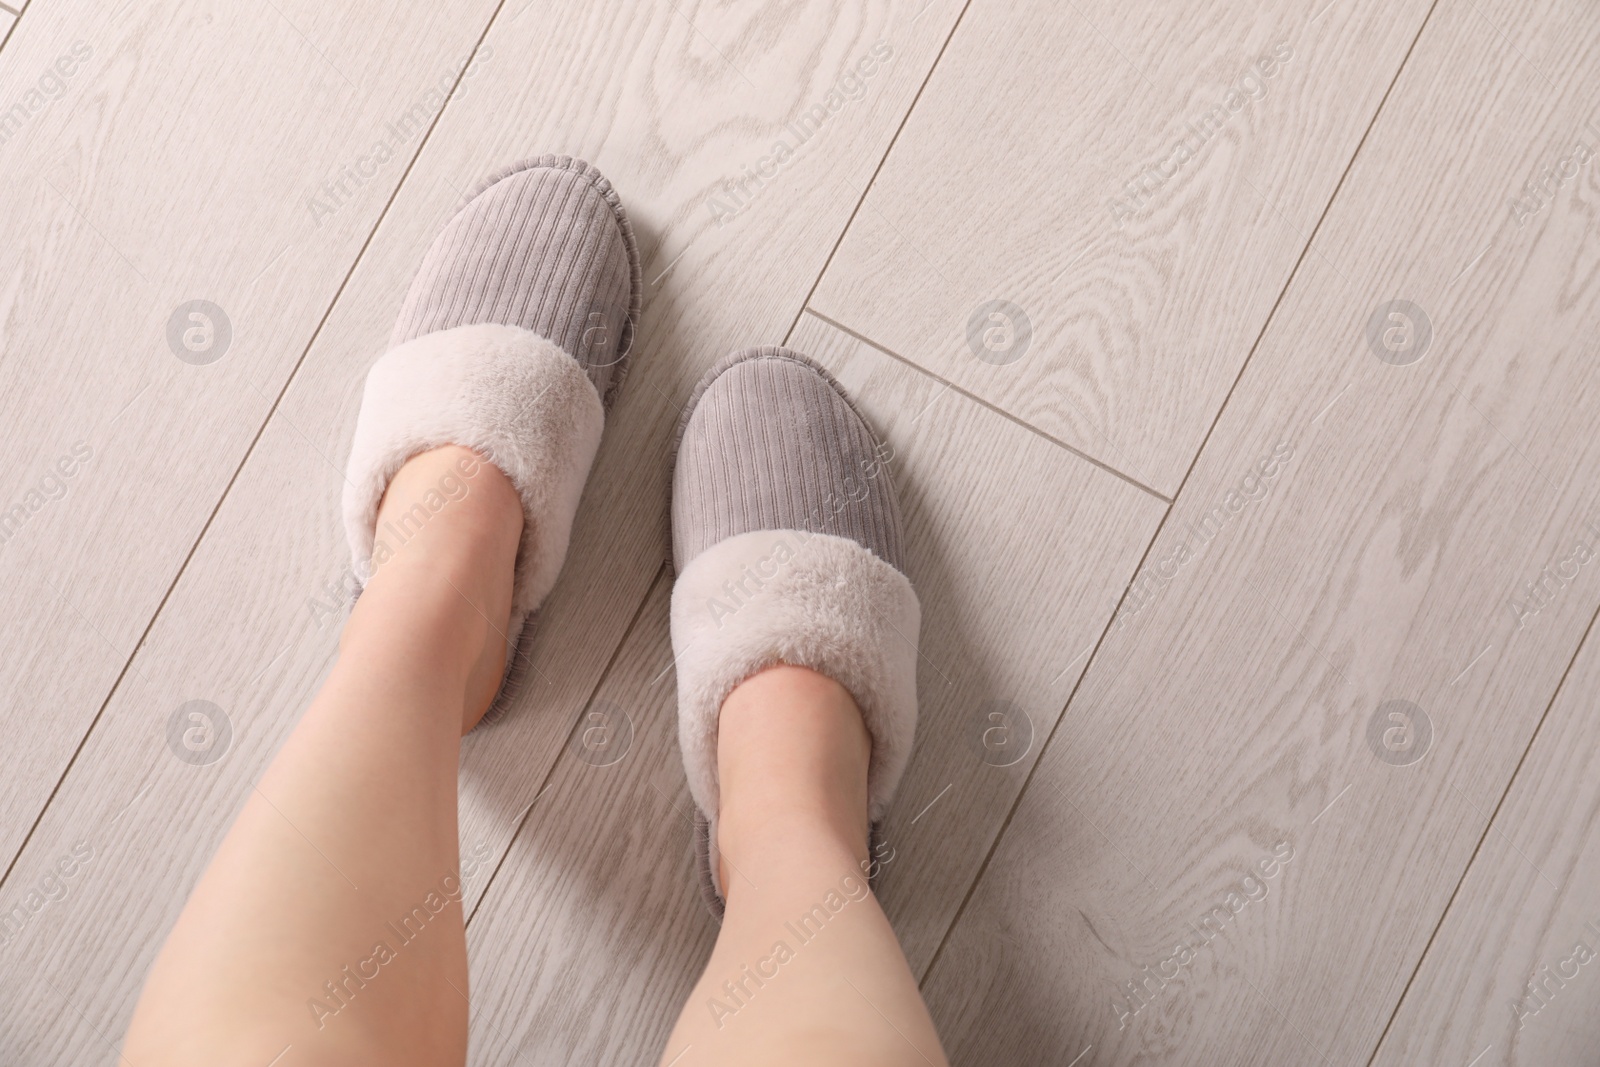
[1240, 363]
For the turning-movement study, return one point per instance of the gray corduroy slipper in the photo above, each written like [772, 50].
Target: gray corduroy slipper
[787, 546]
[513, 341]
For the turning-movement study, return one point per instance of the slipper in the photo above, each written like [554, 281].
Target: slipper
[787, 546]
[512, 341]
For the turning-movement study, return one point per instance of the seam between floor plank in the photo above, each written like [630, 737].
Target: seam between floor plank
[1216, 420]
[544, 784]
[994, 845]
[16, 20]
[864, 339]
[1488, 826]
[887, 151]
[250, 450]
[1478, 848]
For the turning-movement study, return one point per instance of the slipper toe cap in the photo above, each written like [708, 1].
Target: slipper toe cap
[770, 442]
[544, 245]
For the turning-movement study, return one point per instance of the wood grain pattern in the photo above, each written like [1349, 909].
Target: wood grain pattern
[164, 156]
[649, 95]
[592, 931]
[1504, 979]
[1239, 709]
[1143, 304]
[1396, 550]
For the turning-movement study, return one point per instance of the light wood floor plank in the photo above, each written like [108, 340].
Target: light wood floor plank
[593, 932]
[1504, 979]
[659, 99]
[166, 154]
[1144, 294]
[1239, 711]
[1388, 557]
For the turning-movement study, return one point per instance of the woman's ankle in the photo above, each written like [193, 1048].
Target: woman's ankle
[438, 600]
[792, 756]
[448, 510]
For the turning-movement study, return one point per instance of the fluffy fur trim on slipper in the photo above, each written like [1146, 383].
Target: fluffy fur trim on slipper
[804, 599]
[507, 393]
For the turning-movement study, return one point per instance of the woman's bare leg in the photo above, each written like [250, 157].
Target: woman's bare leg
[328, 928]
[807, 970]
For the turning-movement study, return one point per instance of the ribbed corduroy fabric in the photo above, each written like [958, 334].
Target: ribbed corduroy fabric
[769, 442]
[545, 245]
